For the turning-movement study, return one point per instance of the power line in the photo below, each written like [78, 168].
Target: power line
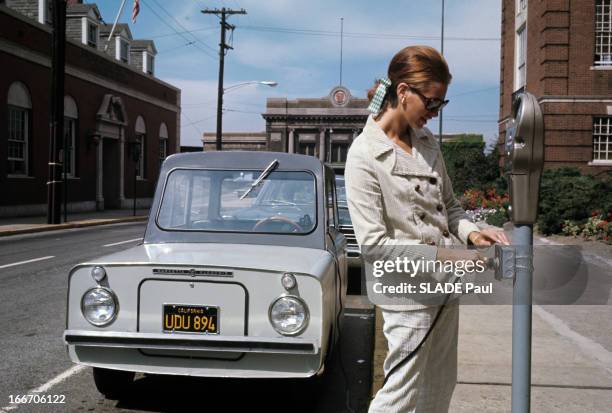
[193, 123]
[183, 32]
[331, 33]
[183, 27]
[172, 49]
[178, 33]
[241, 111]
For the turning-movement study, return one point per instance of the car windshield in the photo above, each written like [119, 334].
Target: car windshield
[343, 212]
[209, 200]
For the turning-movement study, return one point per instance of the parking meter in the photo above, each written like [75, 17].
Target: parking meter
[524, 158]
[524, 161]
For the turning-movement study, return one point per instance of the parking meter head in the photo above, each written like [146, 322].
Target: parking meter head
[524, 158]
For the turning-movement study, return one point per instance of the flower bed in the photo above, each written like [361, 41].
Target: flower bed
[597, 227]
[487, 206]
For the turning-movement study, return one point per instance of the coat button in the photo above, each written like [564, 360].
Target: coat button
[417, 188]
[433, 181]
[439, 207]
[445, 233]
[422, 215]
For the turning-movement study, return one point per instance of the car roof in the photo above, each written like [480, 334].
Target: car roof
[243, 160]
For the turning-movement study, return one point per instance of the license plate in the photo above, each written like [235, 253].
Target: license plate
[190, 319]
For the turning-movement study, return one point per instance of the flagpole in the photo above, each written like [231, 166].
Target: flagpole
[114, 25]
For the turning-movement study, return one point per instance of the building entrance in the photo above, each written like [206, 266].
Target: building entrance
[110, 173]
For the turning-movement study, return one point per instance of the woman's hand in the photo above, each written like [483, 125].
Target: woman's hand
[488, 237]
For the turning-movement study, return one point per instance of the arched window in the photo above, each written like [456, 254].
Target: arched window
[19, 110]
[69, 145]
[141, 135]
[163, 143]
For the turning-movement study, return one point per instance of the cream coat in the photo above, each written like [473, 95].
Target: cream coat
[397, 200]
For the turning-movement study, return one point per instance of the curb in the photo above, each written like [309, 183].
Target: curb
[69, 225]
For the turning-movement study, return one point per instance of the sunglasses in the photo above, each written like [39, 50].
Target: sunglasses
[431, 104]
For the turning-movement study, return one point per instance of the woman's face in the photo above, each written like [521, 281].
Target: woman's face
[413, 106]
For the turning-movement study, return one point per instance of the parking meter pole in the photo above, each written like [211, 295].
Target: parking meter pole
[521, 319]
[524, 161]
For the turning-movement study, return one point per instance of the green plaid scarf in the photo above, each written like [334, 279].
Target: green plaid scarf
[379, 95]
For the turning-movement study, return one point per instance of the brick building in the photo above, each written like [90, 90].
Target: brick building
[112, 101]
[561, 52]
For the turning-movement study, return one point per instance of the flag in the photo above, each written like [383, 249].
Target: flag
[135, 11]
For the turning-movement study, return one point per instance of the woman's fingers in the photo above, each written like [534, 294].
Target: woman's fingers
[495, 236]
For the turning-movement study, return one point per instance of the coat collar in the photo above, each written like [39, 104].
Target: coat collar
[380, 144]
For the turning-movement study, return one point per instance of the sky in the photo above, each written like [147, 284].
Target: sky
[297, 44]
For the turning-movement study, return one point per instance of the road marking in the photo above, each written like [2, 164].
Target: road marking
[588, 346]
[122, 242]
[47, 386]
[26, 262]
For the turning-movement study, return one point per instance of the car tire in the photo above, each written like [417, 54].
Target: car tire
[112, 383]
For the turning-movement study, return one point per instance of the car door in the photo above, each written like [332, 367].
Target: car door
[335, 240]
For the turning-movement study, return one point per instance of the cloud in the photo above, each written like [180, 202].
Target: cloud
[306, 65]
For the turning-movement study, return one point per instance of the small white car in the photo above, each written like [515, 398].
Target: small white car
[242, 273]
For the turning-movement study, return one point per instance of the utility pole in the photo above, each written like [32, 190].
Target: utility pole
[442, 52]
[56, 129]
[222, 47]
[341, 40]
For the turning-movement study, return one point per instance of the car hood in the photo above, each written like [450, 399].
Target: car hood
[254, 257]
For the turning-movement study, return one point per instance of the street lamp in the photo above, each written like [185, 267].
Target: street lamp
[220, 104]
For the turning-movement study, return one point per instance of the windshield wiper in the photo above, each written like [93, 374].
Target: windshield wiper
[273, 165]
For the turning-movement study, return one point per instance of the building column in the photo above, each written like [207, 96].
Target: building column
[329, 146]
[122, 144]
[291, 141]
[322, 144]
[100, 177]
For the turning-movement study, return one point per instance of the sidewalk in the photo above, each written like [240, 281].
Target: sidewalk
[571, 371]
[568, 375]
[26, 225]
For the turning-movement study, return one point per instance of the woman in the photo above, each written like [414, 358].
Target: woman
[399, 195]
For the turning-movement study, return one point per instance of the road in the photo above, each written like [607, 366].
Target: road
[33, 359]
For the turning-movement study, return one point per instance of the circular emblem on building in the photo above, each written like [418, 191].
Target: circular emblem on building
[340, 96]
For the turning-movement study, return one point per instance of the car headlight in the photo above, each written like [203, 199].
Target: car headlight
[99, 306]
[289, 315]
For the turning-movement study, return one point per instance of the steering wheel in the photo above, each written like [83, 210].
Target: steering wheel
[278, 218]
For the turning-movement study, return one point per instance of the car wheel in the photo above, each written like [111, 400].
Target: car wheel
[112, 383]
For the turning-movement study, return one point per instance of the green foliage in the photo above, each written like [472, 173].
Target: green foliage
[566, 194]
[497, 218]
[469, 168]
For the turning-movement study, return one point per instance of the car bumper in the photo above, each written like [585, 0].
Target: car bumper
[202, 356]
[183, 342]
